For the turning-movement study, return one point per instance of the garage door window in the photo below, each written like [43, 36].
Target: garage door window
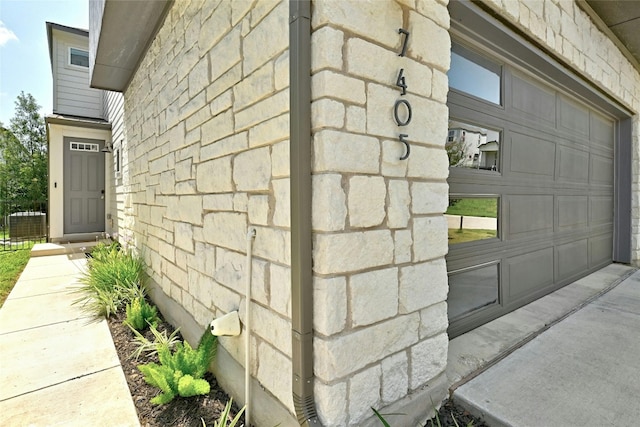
[472, 218]
[473, 147]
[473, 74]
[473, 289]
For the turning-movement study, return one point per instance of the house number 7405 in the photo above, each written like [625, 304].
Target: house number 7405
[402, 112]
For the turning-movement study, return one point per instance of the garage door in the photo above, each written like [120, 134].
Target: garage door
[531, 187]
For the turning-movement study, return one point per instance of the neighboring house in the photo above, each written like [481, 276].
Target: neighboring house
[76, 133]
[296, 119]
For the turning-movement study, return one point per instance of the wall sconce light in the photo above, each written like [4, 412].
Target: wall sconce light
[107, 147]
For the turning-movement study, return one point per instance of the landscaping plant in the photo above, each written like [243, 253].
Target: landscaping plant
[223, 420]
[160, 341]
[141, 314]
[113, 278]
[180, 372]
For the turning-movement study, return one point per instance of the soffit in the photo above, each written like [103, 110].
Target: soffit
[121, 31]
[622, 18]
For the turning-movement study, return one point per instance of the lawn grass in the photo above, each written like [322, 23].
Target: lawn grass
[484, 207]
[468, 235]
[11, 265]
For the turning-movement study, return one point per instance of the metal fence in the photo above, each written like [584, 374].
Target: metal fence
[22, 224]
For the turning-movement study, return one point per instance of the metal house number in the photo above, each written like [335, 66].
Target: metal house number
[402, 108]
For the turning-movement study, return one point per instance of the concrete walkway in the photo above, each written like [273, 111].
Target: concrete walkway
[57, 365]
[583, 370]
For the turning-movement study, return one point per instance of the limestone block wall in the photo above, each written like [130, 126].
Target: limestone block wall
[206, 157]
[379, 233]
[568, 31]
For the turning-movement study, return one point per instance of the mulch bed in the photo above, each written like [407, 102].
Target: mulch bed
[182, 412]
[193, 411]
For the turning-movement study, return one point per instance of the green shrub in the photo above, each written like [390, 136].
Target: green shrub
[113, 278]
[141, 314]
[160, 341]
[223, 421]
[180, 372]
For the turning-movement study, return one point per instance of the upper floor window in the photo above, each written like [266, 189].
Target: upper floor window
[78, 57]
[473, 74]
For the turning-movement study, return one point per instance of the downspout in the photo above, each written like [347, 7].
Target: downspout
[300, 179]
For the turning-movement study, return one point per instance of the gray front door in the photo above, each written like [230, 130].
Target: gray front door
[83, 185]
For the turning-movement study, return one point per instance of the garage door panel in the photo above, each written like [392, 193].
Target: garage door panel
[530, 272]
[573, 117]
[573, 165]
[600, 210]
[600, 250]
[602, 131]
[573, 212]
[529, 214]
[531, 155]
[572, 259]
[533, 100]
[601, 170]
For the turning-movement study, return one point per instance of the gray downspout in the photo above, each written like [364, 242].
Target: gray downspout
[300, 179]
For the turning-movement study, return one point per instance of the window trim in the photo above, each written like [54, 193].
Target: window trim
[69, 54]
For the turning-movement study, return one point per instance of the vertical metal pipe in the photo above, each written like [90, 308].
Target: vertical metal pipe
[300, 178]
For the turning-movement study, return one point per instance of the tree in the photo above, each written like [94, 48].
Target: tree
[23, 171]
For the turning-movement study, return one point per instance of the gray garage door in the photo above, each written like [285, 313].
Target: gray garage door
[531, 187]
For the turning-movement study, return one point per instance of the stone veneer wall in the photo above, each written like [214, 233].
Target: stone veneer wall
[379, 232]
[207, 155]
[565, 29]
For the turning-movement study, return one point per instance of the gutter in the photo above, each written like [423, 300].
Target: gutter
[300, 181]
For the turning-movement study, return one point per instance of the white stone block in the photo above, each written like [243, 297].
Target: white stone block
[428, 163]
[273, 244]
[280, 289]
[341, 356]
[346, 252]
[184, 236]
[356, 119]
[403, 244]
[326, 49]
[430, 239]
[428, 360]
[364, 394]
[395, 377]
[281, 71]
[392, 151]
[269, 131]
[327, 113]
[280, 159]
[225, 54]
[329, 305]
[217, 128]
[258, 209]
[331, 84]
[382, 65]
[329, 209]
[226, 229]
[435, 11]
[267, 39]
[230, 145]
[254, 87]
[264, 110]
[373, 296]
[281, 194]
[437, 51]
[271, 373]
[214, 176]
[229, 269]
[434, 320]
[198, 77]
[399, 200]
[214, 28]
[372, 19]
[345, 152]
[422, 285]
[366, 201]
[271, 327]
[217, 202]
[429, 197]
[331, 403]
[252, 170]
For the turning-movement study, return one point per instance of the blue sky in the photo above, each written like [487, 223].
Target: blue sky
[24, 52]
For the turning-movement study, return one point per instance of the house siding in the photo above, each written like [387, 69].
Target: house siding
[380, 277]
[205, 156]
[114, 113]
[71, 92]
